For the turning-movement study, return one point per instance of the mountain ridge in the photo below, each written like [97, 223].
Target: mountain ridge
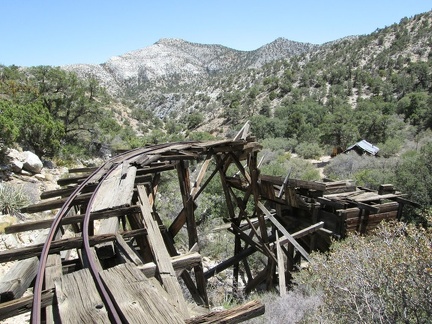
[173, 57]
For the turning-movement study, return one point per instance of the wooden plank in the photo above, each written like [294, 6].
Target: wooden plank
[116, 190]
[108, 226]
[197, 183]
[180, 262]
[46, 223]
[237, 314]
[161, 256]
[129, 252]
[284, 231]
[61, 245]
[78, 299]
[387, 207]
[386, 188]
[375, 196]
[332, 203]
[65, 192]
[24, 304]
[374, 217]
[57, 203]
[53, 271]
[243, 132]
[184, 184]
[83, 170]
[281, 267]
[70, 180]
[16, 281]
[371, 208]
[139, 299]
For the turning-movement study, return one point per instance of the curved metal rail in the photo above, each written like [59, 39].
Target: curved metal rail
[98, 175]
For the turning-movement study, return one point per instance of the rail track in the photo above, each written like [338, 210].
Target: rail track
[148, 155]
[129, 269]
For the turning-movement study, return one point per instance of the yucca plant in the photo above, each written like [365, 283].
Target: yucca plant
[12, 198]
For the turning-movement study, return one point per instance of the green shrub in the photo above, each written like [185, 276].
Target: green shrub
[295, 167]
[290, 308]
[413, 175]
[391, 147]
[12, 198]
[279, 143]
[381, 278]
[309, 150]
[368, 170]
[200, 136]
[9, 130]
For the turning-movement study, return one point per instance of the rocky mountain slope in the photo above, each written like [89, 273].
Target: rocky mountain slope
[208, 87]
[176, 61]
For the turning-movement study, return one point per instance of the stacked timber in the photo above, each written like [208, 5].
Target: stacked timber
[342, 206]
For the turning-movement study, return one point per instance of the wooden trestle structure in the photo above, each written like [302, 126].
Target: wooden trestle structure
[134, 255]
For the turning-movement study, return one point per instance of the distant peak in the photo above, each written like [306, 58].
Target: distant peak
[168, 41]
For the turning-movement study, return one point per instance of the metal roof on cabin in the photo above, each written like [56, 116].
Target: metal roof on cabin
[365, 146]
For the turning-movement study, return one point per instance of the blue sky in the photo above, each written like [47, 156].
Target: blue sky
[60, 32]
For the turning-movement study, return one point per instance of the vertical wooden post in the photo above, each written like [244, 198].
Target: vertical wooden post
[136, 222]
[400, 209]
[313, 236]
[290, 257]
[254, 172]
[281, 267]
[222, 167]
[188, 203]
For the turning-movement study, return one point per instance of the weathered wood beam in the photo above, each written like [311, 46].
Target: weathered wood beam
[82, 170]
[19, 278]
[246, 238]
[243, 133]
[240, 167]
[185, 189]
[57, 203]
[61, 245]
[71, 180]
[281, 267]
[128, 251]
[284, 231]
[237, 314]
[53, 271]
[78, 299]
[46, 223]
[16, 281]
[221, 166]
[107, 226]
[64, 192]
[24, 304]
[250, 250]
[310, 229]
[156, 169]
[161, 256]
[197, 183]
[259, 278]
[139, 299]
[179, 263]
[332, 203]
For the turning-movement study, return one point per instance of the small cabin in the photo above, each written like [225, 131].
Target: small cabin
[363, 147]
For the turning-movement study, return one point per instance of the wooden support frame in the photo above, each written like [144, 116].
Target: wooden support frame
[303, 207]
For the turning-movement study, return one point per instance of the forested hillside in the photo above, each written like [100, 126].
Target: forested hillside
[375, 87]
